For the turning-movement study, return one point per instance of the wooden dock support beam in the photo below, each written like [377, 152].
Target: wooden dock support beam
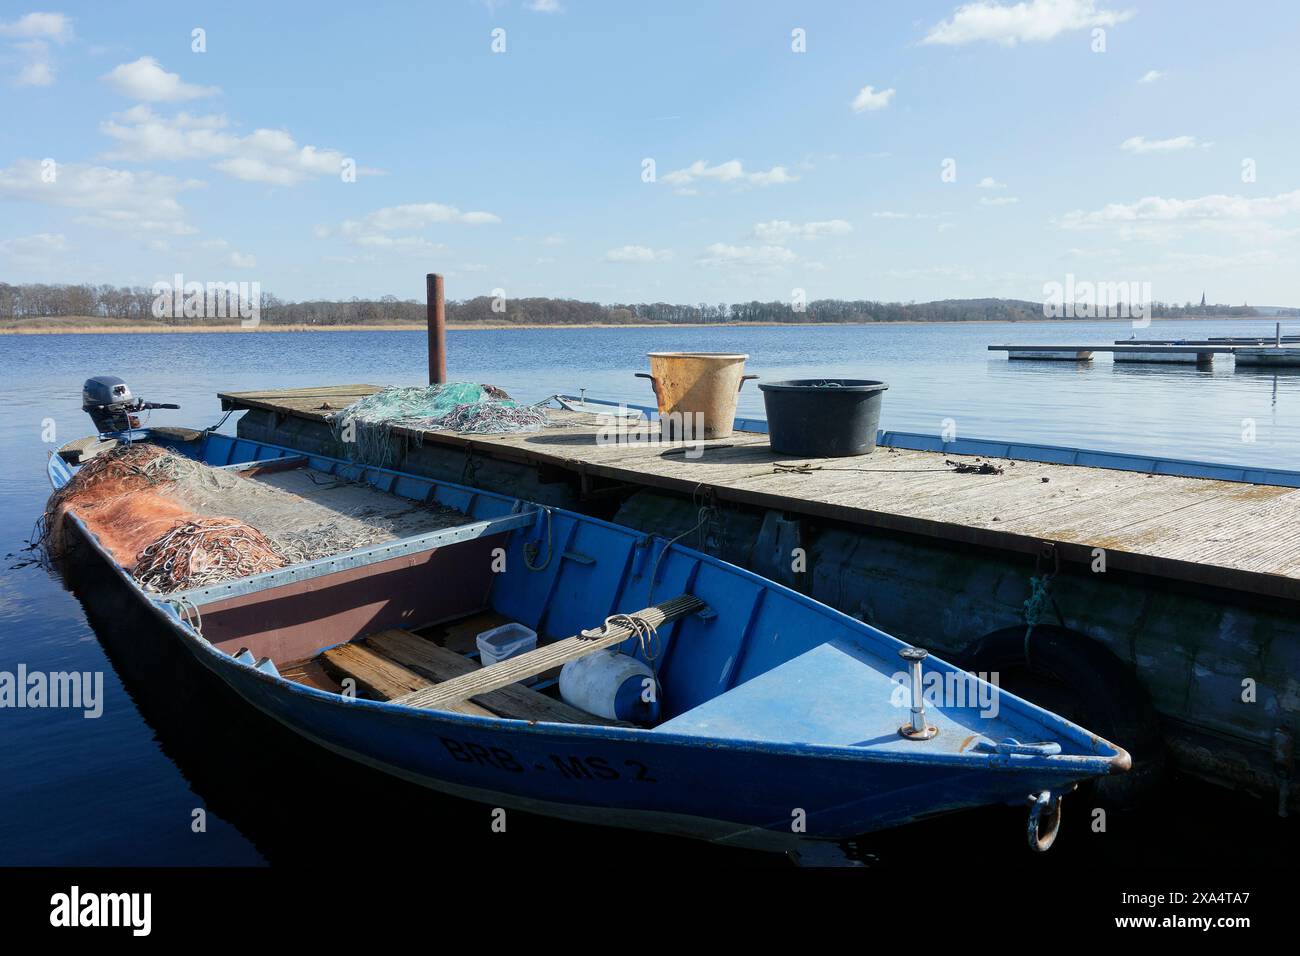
[436, 314]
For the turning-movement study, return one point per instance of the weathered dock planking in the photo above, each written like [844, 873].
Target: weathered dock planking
[1232, 534]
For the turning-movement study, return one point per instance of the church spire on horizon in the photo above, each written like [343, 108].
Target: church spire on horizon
[1202, 298]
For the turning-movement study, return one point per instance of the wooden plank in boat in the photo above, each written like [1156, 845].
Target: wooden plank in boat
[507, 672]
[385, 679]
[311, 673]
[439, 664]
[461, 636]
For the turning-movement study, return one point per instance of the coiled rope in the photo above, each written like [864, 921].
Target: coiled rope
[645, 633]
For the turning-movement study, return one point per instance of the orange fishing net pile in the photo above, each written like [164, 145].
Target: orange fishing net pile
[115, 496]
[204, 550]
[124, 498]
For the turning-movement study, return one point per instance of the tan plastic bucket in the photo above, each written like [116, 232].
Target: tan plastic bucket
[696, 391]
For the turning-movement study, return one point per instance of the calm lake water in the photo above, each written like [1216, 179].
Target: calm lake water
[124, 788]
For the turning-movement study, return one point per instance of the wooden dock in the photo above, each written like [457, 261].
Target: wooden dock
[1202, 353]
[1230, 534]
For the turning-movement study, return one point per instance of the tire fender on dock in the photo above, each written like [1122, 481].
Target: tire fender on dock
[1072, 675]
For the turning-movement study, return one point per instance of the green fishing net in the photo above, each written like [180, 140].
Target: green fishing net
[365, 428]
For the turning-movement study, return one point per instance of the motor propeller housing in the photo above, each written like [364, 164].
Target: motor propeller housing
[111, 406]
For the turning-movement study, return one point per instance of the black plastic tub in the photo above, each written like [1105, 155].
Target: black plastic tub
[823, 417]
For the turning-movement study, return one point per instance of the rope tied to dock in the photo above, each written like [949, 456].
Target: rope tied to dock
[1040, 595]
[707, 515]
[954, 467]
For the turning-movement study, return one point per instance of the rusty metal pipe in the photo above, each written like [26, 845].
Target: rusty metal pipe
[436, 313]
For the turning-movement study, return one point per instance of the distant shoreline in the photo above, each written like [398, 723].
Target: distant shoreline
[88, 329]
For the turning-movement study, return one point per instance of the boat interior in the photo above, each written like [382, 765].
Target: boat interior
[733, 655]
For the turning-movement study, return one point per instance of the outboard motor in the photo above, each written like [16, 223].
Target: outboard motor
[111, 406]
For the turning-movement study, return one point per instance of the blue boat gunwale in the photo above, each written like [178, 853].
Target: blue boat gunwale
[1087, 764]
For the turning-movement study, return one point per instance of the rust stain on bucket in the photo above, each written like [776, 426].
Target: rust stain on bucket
[696, 391]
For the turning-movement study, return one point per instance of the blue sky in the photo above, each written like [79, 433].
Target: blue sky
[773, 169]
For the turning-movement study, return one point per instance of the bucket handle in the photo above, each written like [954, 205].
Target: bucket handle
[654, 383]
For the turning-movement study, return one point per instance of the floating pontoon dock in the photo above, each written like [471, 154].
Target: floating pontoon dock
[1218, 340]
[1187, 573]
[1202, 353]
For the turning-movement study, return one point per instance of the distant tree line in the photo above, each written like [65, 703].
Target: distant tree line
[135, 305]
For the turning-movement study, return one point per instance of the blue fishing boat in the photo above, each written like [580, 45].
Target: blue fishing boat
[668, 691]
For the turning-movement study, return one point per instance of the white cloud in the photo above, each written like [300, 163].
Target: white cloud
[638, 254]
[413, 216]
[1150, 76]
[33, 34]
[1140, 144]
[960, 273]
[1205, 207]
[1155, 217]
[998, 200]
[988, 182]
[762, 258]
[141, 203]
[1031, 21]
[775, 176]
[376, 229]
[40, 251]
[143, 136]
[145, 79]
[729, 172]
[1203, 261]
[545, 6]
[233, 257]
[44, 26]
[408, 245]
[265, 155]
[781, 230]
[869, 99]
[893, 214]
[38, 70]
[272, 156]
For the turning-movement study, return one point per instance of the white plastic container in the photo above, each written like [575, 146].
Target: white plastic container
[506, 641]
[612, 685]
